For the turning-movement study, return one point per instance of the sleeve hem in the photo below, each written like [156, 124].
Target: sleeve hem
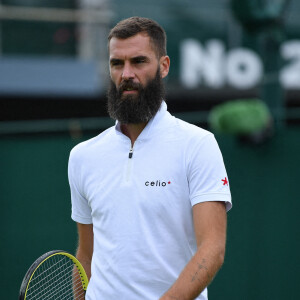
[81, 220]
[213, 197]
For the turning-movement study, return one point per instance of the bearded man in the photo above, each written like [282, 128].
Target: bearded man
[150, 194]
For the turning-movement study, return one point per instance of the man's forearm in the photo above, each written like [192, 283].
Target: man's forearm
[86, 263]
[197, 274]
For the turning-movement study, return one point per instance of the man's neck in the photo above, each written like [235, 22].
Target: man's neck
[133, 130]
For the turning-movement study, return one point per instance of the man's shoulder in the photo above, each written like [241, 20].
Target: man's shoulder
[188, 130]
[89, 145]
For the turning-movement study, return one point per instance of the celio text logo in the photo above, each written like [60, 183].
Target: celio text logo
[157, 183]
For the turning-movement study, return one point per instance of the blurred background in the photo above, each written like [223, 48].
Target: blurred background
[225, 55]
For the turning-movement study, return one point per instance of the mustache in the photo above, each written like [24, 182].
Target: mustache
[129, 84]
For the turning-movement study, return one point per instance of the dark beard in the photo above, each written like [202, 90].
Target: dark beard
[135, 109]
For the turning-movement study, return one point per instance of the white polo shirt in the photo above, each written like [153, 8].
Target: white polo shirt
[140, 203]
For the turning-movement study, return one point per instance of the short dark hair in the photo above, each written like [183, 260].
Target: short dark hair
[134, 25]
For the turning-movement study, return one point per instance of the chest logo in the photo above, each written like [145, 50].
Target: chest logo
[157, 183]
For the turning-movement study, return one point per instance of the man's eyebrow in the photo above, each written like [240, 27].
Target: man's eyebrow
[132, 59]
[115, 60]
[140, 57]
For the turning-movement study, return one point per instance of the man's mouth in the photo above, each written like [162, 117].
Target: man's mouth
[129, 91]
[128, 88]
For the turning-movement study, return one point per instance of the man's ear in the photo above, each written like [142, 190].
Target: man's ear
[164, 64]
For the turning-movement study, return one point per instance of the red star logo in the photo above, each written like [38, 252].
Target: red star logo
[169, 182]
[225, 182]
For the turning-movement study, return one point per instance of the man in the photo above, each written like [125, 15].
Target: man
[150, 194]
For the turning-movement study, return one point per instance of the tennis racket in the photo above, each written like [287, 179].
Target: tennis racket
[56, 275]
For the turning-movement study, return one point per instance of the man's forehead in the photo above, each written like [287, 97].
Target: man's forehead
[137, 45]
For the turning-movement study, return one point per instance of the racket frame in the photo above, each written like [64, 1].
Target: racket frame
[29, 274]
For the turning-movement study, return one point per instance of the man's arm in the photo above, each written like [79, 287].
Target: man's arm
[85, 246]
[210, 221]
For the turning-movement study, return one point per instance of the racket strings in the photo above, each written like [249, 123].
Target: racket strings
[50, 274]
[62, 293]
[57, 278]
[67, 294]
[48, 280]
[62, 283]
[50, 277]
[65, 289]
[47, 266]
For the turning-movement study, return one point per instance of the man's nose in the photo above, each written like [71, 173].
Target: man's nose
[127, 72]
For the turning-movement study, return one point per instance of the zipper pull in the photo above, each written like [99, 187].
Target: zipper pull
[130, 153]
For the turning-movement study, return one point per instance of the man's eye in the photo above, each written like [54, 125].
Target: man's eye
[115, 63]
[140, 61]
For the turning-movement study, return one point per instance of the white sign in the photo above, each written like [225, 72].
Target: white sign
[240, 68]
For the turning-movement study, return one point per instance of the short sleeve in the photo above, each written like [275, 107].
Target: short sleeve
[207, 177]
[81, 211]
